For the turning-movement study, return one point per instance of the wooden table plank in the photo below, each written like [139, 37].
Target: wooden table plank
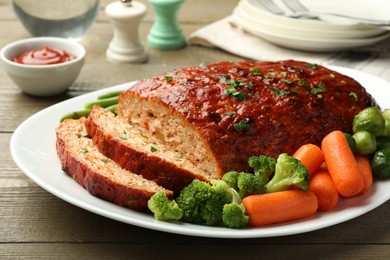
[215, 251]
[36, 224]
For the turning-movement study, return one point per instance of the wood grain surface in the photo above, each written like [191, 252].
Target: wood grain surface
[34, 224]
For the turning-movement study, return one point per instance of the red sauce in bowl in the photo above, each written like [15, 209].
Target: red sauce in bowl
[44, 56]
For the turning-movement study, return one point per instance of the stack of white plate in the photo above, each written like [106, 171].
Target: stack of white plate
[313, 34]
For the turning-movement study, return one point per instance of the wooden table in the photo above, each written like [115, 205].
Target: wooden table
[36, 224]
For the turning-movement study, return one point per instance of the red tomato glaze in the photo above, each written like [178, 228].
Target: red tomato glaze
[44, 56]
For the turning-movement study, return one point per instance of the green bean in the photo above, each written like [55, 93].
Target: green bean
[112, 108]
[102, 102]
[110, 94]
[108, 101]
[85, 113]
[76, 114]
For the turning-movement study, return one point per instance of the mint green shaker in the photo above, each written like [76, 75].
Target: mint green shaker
[166, 33]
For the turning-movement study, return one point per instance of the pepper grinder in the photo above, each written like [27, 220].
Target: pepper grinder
[166, 33]
[126, 47]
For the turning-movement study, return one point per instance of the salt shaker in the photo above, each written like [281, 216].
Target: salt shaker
[166, 33]
[125, 46]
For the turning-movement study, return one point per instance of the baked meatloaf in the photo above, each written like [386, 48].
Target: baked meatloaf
[136, 150]
[218, 115]
[97, 173]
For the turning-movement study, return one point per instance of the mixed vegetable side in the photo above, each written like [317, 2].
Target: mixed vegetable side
[283, 189]
[291, 186]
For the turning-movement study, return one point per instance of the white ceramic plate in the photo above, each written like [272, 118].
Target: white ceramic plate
[311, 34]
[304, 28]
[304, 43]
[33, 150]
[373, 9]
[367, 9]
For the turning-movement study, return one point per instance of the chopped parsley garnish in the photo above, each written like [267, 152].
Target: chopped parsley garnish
[168, 79]
[144, 136]
[231, 89]
[104, 160]
[294, 90]
[287, 81]
[230, 113]
[270, 75]
[125, 135]
[319, 89]
[312, 66]
[255, 71]
[232, 92]
[280, 93]
[222, 77]
[236, 83]
[302, 83]
[354, 95]
[83, 134]
[84, 150]
[153, 149]
[242, 126]
[233, 86]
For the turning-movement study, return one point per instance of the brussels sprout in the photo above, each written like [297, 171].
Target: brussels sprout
[381, 164]
[383, 142]
[365, 142]
[351, 142]
[386, 113]
[369, 119]
[386, 130]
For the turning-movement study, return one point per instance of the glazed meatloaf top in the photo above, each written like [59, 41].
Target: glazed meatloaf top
[221, 114]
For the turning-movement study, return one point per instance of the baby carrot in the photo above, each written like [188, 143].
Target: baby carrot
[321, 184]
[269, 208]
[341, 164]
[311, 156]
[364, 166]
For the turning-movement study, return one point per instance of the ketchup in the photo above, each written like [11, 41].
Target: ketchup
[44, 56]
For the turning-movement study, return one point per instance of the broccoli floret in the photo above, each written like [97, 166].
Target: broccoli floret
[244, 183]
[231, 179]
[233, 215]
[289, 171]
[220, 194]
[163, 208]
[249, 184]
[202, 203]
[263, 166]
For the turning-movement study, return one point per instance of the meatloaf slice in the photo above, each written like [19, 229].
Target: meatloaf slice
[218, 115]
[135, 149]
[97, 173]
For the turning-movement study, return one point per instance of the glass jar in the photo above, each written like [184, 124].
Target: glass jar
[57, 18]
